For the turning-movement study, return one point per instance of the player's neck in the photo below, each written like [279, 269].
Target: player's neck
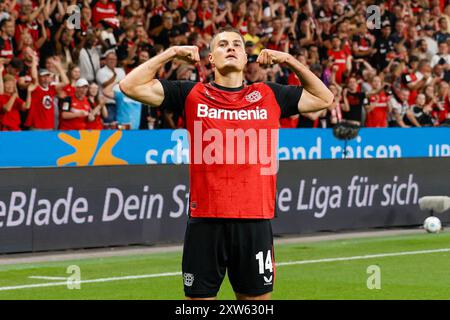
[231, 80]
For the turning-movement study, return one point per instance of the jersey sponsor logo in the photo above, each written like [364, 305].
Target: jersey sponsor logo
[253, 96]
[203, 111]
[188, 279]
[47, 102]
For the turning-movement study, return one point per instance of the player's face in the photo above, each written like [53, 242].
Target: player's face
[228, 52]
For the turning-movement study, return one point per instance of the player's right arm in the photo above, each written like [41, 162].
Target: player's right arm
[140, 84]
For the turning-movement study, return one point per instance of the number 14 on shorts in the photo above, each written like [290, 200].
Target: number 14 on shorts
[265, 264]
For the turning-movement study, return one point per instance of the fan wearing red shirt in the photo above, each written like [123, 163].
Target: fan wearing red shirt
[206, 15]
[7, 45]
[340, 58]
[41, 115]
[74, 110]
[232, 192]
[11, 104]
[377, 109]
[103, 9]
[279, 40]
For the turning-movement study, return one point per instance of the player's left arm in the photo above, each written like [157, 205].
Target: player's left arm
[315, 96]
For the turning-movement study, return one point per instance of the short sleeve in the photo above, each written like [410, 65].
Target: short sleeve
[287, 98]
[175, 93]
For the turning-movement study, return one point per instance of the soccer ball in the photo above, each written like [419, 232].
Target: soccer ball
[432, 224]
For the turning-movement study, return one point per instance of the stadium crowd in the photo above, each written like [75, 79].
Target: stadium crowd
[61, 61]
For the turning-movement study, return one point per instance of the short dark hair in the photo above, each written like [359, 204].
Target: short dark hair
[4, 21]
[227, 28]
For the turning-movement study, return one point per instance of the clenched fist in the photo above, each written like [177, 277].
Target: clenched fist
[269, 57]
[187, 53]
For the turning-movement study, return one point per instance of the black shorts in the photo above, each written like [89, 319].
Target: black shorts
[242, 247]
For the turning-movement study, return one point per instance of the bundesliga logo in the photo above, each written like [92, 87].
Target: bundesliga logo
[203, 111]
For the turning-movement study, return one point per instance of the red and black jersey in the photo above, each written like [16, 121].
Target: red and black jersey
[7, 48]
[233, 144]
[408, 78]
[102, 11]
[339, 60]
[356, 101]
[362, 42]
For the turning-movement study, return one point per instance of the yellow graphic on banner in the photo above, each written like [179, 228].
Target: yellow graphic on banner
[86, 146]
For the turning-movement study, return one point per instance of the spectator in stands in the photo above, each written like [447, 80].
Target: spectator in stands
[341, 59]
[354, 103]
[98, 110]
[377, 109]
[10, 103]
[41, 115]
[73, 74]
[422, 112]
[442, 57]
[104, 9]
[443, 34]
[64, 45]
[384, 46]
[442, 112]
[399, 110]
[108, 78]
[7, 42]
[89, 56]
[74, 110]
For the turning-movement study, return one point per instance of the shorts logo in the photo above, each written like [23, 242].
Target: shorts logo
[188, 279]
[268, 281]
[253, 96]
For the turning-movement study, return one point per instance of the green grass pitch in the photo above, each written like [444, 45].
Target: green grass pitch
[424, 275]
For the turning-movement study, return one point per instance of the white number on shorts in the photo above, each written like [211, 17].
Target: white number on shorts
[268, 265]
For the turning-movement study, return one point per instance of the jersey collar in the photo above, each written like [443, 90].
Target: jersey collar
[226, 88]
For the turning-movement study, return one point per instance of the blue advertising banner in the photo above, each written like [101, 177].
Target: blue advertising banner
[110, 147]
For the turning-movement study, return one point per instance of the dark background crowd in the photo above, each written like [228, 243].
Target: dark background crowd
[61, 61]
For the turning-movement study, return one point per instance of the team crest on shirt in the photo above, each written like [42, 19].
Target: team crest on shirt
[253, 96]
[47, 102]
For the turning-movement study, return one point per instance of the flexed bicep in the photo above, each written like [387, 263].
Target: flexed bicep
[151, 93]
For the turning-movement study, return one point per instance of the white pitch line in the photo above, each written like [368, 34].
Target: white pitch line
[169, 274]
[369, 256]
[47, 278]
[52, 284]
